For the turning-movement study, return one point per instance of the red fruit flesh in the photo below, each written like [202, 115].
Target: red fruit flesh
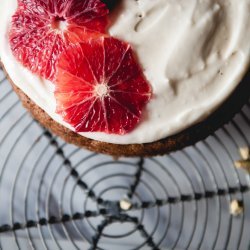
[100, 87]
[41, 30]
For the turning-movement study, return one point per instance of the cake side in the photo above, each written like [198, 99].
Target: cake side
[161, 147]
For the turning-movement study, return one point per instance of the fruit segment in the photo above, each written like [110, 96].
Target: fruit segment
[41, 30]
[100, 87]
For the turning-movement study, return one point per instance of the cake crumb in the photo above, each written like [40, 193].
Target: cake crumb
[244, 153]
[125, 204]
[243, 164]
[236, 207]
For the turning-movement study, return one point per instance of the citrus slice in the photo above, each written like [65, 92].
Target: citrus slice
[41, 30]
[100, 87]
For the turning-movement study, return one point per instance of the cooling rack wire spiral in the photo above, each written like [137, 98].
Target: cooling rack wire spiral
[56, 196]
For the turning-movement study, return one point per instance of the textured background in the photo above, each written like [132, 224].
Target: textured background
[56, 196]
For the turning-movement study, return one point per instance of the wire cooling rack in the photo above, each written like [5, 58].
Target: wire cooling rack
[56, 196]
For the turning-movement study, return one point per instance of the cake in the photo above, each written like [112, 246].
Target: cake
[160, 75]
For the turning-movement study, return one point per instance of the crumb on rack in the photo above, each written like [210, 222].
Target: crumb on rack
[244, 163]
[244, 153]
[125, 204]
[236, 207]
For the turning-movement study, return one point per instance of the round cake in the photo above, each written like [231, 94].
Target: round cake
[141, 78]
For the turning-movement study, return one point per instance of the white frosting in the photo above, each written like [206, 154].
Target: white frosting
[193, 52]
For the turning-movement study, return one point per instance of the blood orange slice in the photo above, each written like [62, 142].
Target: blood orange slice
[100, 87]
[41, 30]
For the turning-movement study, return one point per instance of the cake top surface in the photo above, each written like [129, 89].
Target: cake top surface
[193, 53]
